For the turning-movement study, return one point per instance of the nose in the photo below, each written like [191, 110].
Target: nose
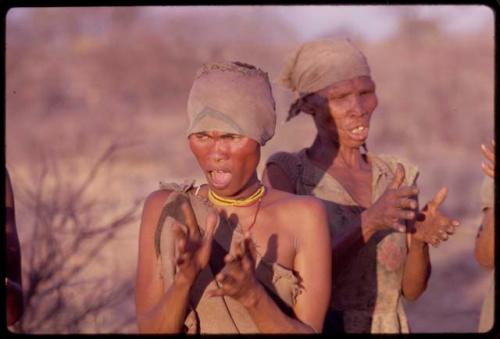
[219, 151]
[357, 108]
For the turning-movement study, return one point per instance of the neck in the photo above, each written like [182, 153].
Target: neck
[248, 189]
[332, 155]
[251, 193]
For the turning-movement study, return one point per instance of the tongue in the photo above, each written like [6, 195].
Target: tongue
[221, 179]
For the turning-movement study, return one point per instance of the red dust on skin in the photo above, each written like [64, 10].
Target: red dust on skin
[229, 161]
[343, 110]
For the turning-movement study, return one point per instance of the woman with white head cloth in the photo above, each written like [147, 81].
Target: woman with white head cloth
[231, 256]
[379, 237]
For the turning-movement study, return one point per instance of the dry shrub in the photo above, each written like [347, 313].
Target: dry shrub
[67, 282]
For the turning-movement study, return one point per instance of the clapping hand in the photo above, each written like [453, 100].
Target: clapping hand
[395, 204]
[193, 249]
[237, 278]
[431, 225]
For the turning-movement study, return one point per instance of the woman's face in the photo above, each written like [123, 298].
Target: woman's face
[342, 111]
[229, 161]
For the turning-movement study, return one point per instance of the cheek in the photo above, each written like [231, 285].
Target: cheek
[198, 150]
[371, 103]
[247, 156]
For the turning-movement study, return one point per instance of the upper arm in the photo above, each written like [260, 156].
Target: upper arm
[149, 285]
[313, 262]
[277, 178]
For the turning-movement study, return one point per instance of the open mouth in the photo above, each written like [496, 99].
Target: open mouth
[359, 132]
[219, 178]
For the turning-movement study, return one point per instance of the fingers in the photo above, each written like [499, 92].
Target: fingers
[244, 252]
[443, 232]
[225, 279]
[451, 227]
[406, 215]
[435, 241]
[407, 191]
[443, 235]
[180, 237]
[248, 259]
[407, 203]
[190, 218]
[438, 198]
[206, 245]
[399, 177]
[488, 152]
[228, 286]
[210, 224]
[488, 169]
[399, 227]
[227, 283]
[183, 255]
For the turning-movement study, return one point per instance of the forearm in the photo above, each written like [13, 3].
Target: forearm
[485, 241]
[169, 314]
[417, 270]
[268, 316]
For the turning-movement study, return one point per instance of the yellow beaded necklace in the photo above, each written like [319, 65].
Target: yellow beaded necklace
[218, 200]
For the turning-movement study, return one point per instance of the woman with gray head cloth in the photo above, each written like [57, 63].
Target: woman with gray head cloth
[380, 240]
[231, 256]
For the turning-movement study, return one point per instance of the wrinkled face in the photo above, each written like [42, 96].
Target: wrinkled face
[229, 161]
[342, 111]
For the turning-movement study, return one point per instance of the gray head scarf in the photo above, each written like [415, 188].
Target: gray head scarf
[232, 97]
[318, 64]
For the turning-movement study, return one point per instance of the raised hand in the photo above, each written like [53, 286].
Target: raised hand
[432, 226]
[395, 204]
[237, 278]
[488, 167]
[193, 249]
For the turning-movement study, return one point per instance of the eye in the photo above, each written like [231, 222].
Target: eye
[338, 97]
[201, 136]
[231, 137]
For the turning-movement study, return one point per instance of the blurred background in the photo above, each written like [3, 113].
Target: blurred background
[95, 118]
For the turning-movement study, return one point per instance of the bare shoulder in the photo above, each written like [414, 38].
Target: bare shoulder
[157, 199]
[153, 205]
[304, 208]
[286, 199]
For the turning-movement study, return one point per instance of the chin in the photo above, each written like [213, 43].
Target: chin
[353, 144]
[226, 191]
